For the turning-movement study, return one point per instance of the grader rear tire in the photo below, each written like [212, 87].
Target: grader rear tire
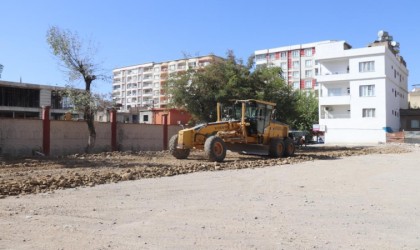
[277, 148]
[176, 152]
[289, 147]
[215, 149]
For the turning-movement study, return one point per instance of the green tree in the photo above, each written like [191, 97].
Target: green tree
[78, 63]
[199, 90]
[307, 109]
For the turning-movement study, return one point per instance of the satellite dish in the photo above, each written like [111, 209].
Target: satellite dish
[394, 43]
[382, 35]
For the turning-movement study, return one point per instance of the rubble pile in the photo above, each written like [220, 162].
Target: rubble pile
[39, 175]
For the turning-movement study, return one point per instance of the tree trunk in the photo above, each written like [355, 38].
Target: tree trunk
[89, 117]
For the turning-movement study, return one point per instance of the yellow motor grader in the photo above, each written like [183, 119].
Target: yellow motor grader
[246, 127]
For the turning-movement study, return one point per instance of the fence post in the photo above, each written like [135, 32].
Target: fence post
[46, 130]
[113, 118]
[165, 131]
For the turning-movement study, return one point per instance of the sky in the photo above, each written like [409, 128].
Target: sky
[129, 32]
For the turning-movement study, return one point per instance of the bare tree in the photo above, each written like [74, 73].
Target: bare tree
[78, 63]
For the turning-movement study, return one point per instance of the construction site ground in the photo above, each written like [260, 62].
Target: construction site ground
[326, 197]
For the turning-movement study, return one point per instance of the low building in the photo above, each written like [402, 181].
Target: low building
[414, 98]
[155, 116]
[25, 100]
[410, 119]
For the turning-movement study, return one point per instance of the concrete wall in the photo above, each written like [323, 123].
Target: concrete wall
[21, 137]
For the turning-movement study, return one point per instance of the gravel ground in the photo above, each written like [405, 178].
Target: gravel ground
[320, 198]
[39, 175]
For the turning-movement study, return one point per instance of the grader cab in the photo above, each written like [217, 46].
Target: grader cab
[246, 127]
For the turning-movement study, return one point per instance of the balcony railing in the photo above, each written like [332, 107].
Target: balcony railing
[335, 116]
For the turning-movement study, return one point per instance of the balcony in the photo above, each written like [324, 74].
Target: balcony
[335, 112]
[335, 100]
[335, 116]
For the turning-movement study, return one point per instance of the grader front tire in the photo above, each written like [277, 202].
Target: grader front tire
[215, 149]
[176, 152]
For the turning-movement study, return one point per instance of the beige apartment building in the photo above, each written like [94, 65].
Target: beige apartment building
[143, 85]
[296, 61]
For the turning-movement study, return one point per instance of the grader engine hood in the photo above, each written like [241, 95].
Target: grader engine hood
[185, 138]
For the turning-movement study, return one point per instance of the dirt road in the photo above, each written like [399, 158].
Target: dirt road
[359, 202]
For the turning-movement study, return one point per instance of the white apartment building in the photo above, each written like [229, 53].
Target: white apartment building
[296, 61]
[143, 85]
[361, 91]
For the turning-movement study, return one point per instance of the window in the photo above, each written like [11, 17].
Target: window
[368, 113]
[272, 56]
[260, 57]
[145, 118]
[367, 90]
[296, 85]
[171, 67]
[334, 92]
[283, 55]
[308, 84]
[295, 53]
[367, 66]
[415, 123]
[192, 65]
[308, 52]
[296, 74]
[308, 73]
[283, 66]
[157, 69]
[295, 64]
[308, 63]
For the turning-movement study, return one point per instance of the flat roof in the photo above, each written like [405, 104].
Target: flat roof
[29, 85]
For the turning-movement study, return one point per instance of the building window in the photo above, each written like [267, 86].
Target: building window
[192, 65]
[283, 66]
[171, 67]
[296, 74]
[368, 113]
[295, 53]
[283, 55]
[367, 66]
[308, 52]
[308, 73]
[366, 90]
[295, 64]
[308, 84]
[260, 57]
[415, 123]
[145, 118]
[296, 85]
[334, 92]
[308, 63]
